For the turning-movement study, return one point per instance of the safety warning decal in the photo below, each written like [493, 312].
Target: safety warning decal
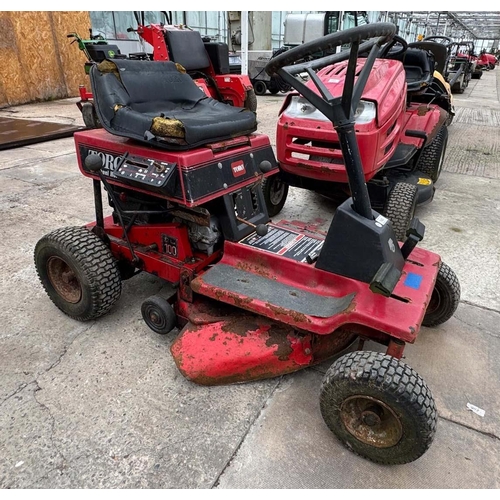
[286, 243]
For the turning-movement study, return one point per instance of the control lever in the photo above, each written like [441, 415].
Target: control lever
[260, 229]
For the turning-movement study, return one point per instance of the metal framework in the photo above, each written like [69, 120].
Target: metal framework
[476, 25]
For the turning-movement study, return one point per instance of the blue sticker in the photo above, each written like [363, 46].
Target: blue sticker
[413, 280]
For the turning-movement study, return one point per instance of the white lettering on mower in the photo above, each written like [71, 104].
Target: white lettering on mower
[391, 245]
[110, 162]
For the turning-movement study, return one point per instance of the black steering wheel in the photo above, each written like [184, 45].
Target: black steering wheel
[437, 38]
[387, 49]
[385, 31]
[339, 110]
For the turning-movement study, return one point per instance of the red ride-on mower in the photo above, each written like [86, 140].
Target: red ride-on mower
[206, 62]
[254, 299]
[402, 138]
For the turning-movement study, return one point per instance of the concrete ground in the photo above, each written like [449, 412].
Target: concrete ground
[101, 404]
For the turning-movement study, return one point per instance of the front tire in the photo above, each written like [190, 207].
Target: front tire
[158, 314]
[275, 194]
[78, 272]
[432, 158]
[400, 207]
[444, 299]
[378, 407]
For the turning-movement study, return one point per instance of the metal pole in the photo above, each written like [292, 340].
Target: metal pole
[244, 42]
[99, 214]
[426, 24]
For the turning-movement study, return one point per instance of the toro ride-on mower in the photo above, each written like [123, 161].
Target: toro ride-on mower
[205, 61]
[253, 299]
[401, 130]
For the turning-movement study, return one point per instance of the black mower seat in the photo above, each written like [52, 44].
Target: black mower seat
[158, 103]
[438, 50]
[419, 69]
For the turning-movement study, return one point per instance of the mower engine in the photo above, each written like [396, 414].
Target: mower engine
[204, 238]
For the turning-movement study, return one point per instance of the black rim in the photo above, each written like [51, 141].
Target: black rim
[435, 301]
[155, 318]
[276, 191]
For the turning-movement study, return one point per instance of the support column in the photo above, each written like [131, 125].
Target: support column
[244, 42]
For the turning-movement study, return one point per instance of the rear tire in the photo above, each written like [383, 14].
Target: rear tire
[260, 87]
[89, 115]
[432, 158]
[275, 194]
[378, 407]
[251, 101]
[400, 208]
[78, 272]
[444, 299]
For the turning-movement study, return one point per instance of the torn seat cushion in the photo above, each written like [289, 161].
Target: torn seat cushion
[155, 102]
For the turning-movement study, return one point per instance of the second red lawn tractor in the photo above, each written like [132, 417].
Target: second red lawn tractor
[206, 62]
[487, 61]
[253, 298]
[401, 131]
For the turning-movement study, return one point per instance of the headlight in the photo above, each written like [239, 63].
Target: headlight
[365, 112]
[302, 108]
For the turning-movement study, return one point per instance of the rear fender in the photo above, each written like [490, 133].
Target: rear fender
[234, 88]
[425, 118]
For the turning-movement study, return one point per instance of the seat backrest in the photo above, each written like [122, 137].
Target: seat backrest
[438, 50]
[419, 68]
[187, 48]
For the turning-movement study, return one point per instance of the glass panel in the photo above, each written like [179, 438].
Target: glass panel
[102, 24]
[332, 22]
[123, 21]
[154, 17]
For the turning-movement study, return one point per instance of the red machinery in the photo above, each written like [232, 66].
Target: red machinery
[402, 137]
[253, 298]
[206, 62]
[487, 61]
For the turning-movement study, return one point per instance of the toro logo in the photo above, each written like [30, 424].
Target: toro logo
[110, 162]
[238, 168]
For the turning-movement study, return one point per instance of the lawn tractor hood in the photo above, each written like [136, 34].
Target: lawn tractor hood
[380, 98]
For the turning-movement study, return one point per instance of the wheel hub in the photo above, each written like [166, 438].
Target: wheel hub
[64, 280]
[371, 418]
[154, 317]
[371, 421]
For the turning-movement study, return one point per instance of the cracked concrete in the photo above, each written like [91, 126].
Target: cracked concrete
[102, 405]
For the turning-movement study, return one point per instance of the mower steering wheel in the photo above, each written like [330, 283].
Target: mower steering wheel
[386, 51]
[285, 60]
[437, 38]
[339, 110]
